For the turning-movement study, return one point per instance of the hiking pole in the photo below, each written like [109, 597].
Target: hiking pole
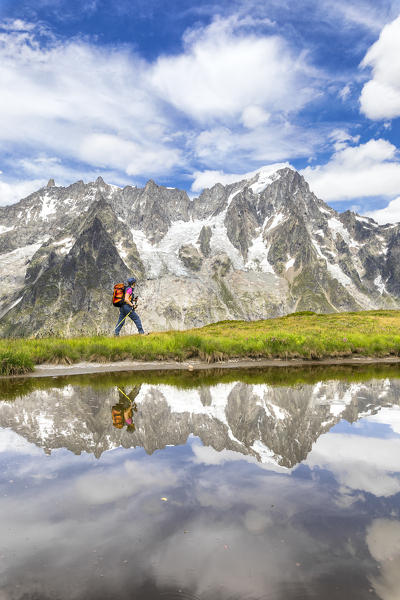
[133, 403]
[119, 389]
[125, 317]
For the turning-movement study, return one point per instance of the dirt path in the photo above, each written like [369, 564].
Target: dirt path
[50, 370]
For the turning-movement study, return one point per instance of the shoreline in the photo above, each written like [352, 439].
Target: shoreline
[87, 368]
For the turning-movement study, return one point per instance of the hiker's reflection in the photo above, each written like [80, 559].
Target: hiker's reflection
[122, 413]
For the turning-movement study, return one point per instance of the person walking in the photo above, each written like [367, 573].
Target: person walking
[128, 309]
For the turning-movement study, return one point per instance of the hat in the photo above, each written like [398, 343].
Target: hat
[131, 280]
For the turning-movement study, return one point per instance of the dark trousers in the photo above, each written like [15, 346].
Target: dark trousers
[124, 310]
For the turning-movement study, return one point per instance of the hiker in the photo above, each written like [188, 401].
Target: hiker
[127, 309]
[122, 413]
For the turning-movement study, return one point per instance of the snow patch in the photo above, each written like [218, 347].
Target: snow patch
[23, 253]
[164, 256]
[257, 256]
[278, 218]
[380, 284]
[325, 210]
[266, 454]
[265, 177]
[339, 403]
[14, 304]
[337, 227]
[189, 401]
[290, 263]
[385, 247]
[66, 244]
[46, 426]
[318, 249]
[4, 229]
[336, 272]
[48, 207]
[366, 220]
[123, 253]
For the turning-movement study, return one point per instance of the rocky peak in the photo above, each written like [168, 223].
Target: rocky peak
[210, 202]
[151, 185]
[100, 182]
[50, 183]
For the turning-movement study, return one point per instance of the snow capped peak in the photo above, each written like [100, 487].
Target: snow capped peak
[208, 179]
[265, 176]
[263, 180]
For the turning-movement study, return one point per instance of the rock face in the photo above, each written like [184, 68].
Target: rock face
[190, 257]
[253, 249]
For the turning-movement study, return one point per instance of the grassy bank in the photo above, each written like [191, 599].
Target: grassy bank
[11, 388]
[300, 335]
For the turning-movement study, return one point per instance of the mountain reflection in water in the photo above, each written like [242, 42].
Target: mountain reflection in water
[232, 490]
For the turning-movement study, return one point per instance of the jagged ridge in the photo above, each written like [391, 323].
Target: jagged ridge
[252, 249]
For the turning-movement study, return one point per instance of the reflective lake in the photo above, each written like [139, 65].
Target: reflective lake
[275, 484]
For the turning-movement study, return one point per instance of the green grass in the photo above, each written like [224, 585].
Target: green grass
[300, 335]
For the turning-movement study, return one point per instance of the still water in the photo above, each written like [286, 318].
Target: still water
[277, 485]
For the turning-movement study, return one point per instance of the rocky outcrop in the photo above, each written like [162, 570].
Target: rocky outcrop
[204, 240]
[241, 222]
[190, 257]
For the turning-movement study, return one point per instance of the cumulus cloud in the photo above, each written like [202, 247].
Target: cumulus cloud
[228, 100]
[224, 73]
[236, 150]
[344, 455]
[75, 100]
[11, 191]
[380, 97]
[370, 169]
[388, 214]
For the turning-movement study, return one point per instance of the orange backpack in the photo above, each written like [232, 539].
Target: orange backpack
[118, 294]
[117, 417]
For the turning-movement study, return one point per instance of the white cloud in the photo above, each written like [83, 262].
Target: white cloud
[341, 138]
[105, 487]
[234, 149]
[12, 191]
[380, 97]
[206, 179]
[68, 101]
[389, 214]
[253, 116]
[370, 169]
[359, 13]
[223, 73]
[345, 455]
[383, 540]
[13, 442]
[345, 92]
[73, 100]
[135, 158]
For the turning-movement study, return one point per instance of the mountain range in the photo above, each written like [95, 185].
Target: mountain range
[271, 424]
[257, 248]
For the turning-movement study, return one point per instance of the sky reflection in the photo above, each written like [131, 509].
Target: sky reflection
[213, 523]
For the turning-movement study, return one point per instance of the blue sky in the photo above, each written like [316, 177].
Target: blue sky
[189, 94]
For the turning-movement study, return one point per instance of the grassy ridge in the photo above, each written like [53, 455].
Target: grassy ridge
[300, 335]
